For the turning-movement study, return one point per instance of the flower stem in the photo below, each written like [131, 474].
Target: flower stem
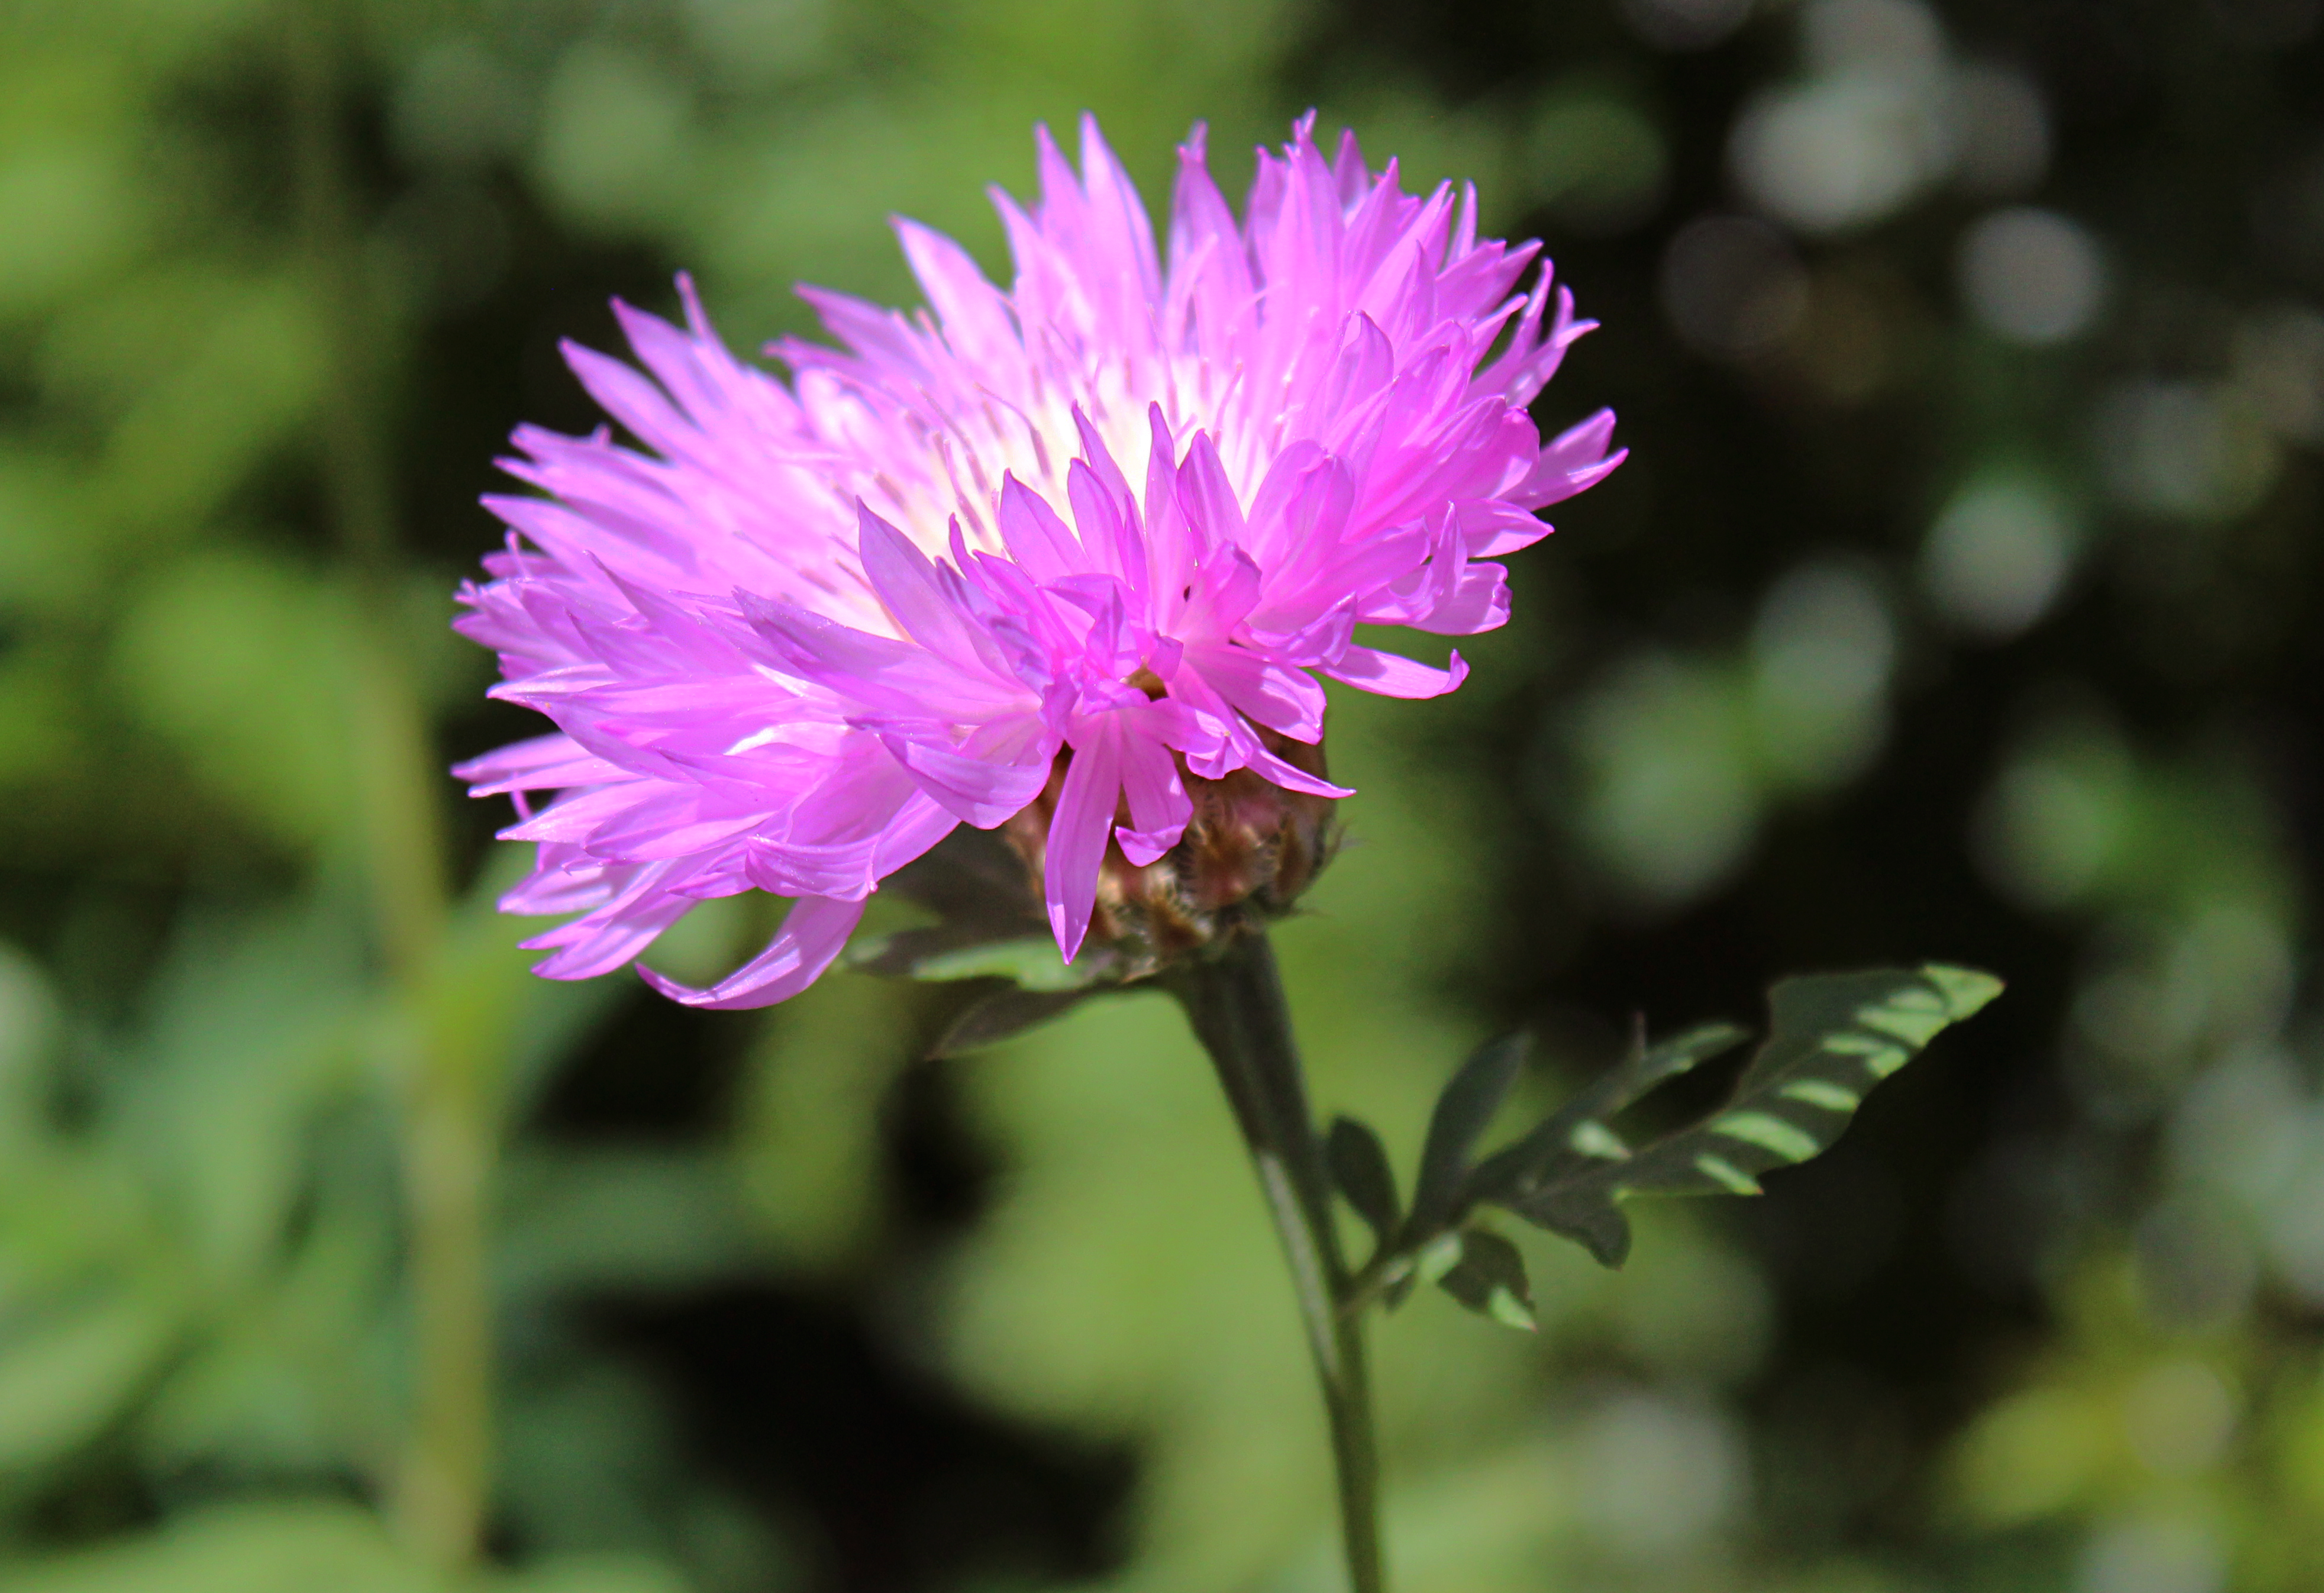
[1235, 1004]
[439, 1485]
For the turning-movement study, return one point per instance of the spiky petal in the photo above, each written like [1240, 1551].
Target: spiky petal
[1118, 518]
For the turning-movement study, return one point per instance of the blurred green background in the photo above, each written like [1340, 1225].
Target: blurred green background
[1960, 599]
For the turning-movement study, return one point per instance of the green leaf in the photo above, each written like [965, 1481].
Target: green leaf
[1437, 1257]
[1462, 1112]
[272, 1547]
[292, 1378]
[593, 1573]
[255, 1029]
[1832, 1037]
[30, 1025]
[1490, 1279]
[1577, 1133]
[1361, 1169]
[633, 1218]
[68, 1366]
[900, 955]
[991, 926]
[242, 663]
[1030, 962]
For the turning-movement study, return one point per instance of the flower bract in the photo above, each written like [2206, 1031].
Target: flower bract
[1112, 522]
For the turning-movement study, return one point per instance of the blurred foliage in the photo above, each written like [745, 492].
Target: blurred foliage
[1960, 600]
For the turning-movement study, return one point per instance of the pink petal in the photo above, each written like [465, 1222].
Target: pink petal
[975, 314]
[1392, 675]
[545, 763]
[1291, 777]
[1078, 831]
[982, 793]
[1205, 495]
[1159, 807]
[1122, 239]
[1263, 690]
[610, 935]
[814, 933]
[1493, 528]
[908, 588]
[1037, 538]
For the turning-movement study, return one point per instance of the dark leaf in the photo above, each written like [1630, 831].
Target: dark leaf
[1359, 1167]
[1489, 1278]
[1462, 1112]
[1007, 1013]
[1832, 1037]
[973, 878]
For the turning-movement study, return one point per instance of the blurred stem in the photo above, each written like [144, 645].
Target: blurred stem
[439, 1482]
[1235, 1003]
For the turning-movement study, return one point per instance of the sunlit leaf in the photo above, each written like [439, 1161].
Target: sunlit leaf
[1834, 1037]
[73, 209]
[1489, 1278]
[1577, 1133]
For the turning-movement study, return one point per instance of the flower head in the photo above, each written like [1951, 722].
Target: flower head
[1049, 554]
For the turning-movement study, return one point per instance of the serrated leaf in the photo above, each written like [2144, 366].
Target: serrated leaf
[1006, 1014]
[1577, 1133]
[1831, 1038]
[1597, 1224]
[1359, 1167]
[1462, 1112]
[1490, 1279]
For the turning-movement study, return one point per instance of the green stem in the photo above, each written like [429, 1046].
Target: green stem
[439, 1485]
[1235, 1003]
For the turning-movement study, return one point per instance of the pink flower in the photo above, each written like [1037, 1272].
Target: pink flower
[1132, 508]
